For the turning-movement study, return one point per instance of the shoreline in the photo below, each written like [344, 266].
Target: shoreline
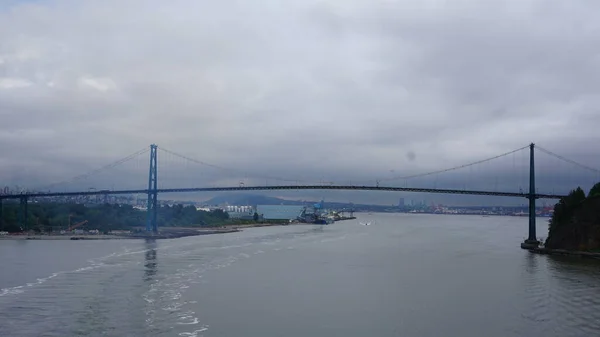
[133, 236]
[164, 233]
[563, 252]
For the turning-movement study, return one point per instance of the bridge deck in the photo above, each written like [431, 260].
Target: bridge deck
[283, 187]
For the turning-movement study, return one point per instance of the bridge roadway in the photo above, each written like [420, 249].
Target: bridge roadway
[283, 187]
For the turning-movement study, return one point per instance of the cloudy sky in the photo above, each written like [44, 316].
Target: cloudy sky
[334, 90]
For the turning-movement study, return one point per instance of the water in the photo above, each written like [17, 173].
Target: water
[405, 275]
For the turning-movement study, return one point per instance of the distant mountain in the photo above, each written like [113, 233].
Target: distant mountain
[241, 199]
[249, 199]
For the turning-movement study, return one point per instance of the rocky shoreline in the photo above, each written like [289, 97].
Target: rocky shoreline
[564, 252]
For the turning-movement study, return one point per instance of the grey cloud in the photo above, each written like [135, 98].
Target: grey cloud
[327, 90]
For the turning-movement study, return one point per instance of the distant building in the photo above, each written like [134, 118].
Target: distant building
[279, 212]
[401, 202]
[240, 212]
[240, 215]
[239, 209]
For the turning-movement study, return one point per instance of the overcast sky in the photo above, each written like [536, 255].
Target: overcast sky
[344, 90]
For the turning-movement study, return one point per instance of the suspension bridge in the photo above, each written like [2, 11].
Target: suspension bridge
[526, 189]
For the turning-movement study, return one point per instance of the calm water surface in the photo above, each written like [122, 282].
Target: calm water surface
[405, 275]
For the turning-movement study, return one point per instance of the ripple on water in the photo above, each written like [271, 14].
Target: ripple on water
[166, 294]
[107, 261]
[558, 298]
[22, 288]
[556, 293]
[195, 333]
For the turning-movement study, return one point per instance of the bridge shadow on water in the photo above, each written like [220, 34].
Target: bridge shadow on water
[150, 261]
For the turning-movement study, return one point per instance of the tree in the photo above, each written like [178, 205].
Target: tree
[12, 228]
[562, 217]
[107, 216]
[594, 191]
[255, 217]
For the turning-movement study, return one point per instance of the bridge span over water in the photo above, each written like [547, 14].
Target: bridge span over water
[153, 191]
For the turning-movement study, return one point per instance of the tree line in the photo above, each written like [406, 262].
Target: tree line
[48, 217]
[575, 223]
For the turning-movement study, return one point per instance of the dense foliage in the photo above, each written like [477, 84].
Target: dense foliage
[52, 217]
[575, 224]
[595, 191]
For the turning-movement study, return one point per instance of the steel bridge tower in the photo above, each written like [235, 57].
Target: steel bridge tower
[152, 192]
[532, 240]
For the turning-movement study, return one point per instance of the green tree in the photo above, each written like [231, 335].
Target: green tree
[594, 191]
[562, 216]
[12, 228]
[107, 217]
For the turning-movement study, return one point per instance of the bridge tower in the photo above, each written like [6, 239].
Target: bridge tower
[531, 239]
[152, 192]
